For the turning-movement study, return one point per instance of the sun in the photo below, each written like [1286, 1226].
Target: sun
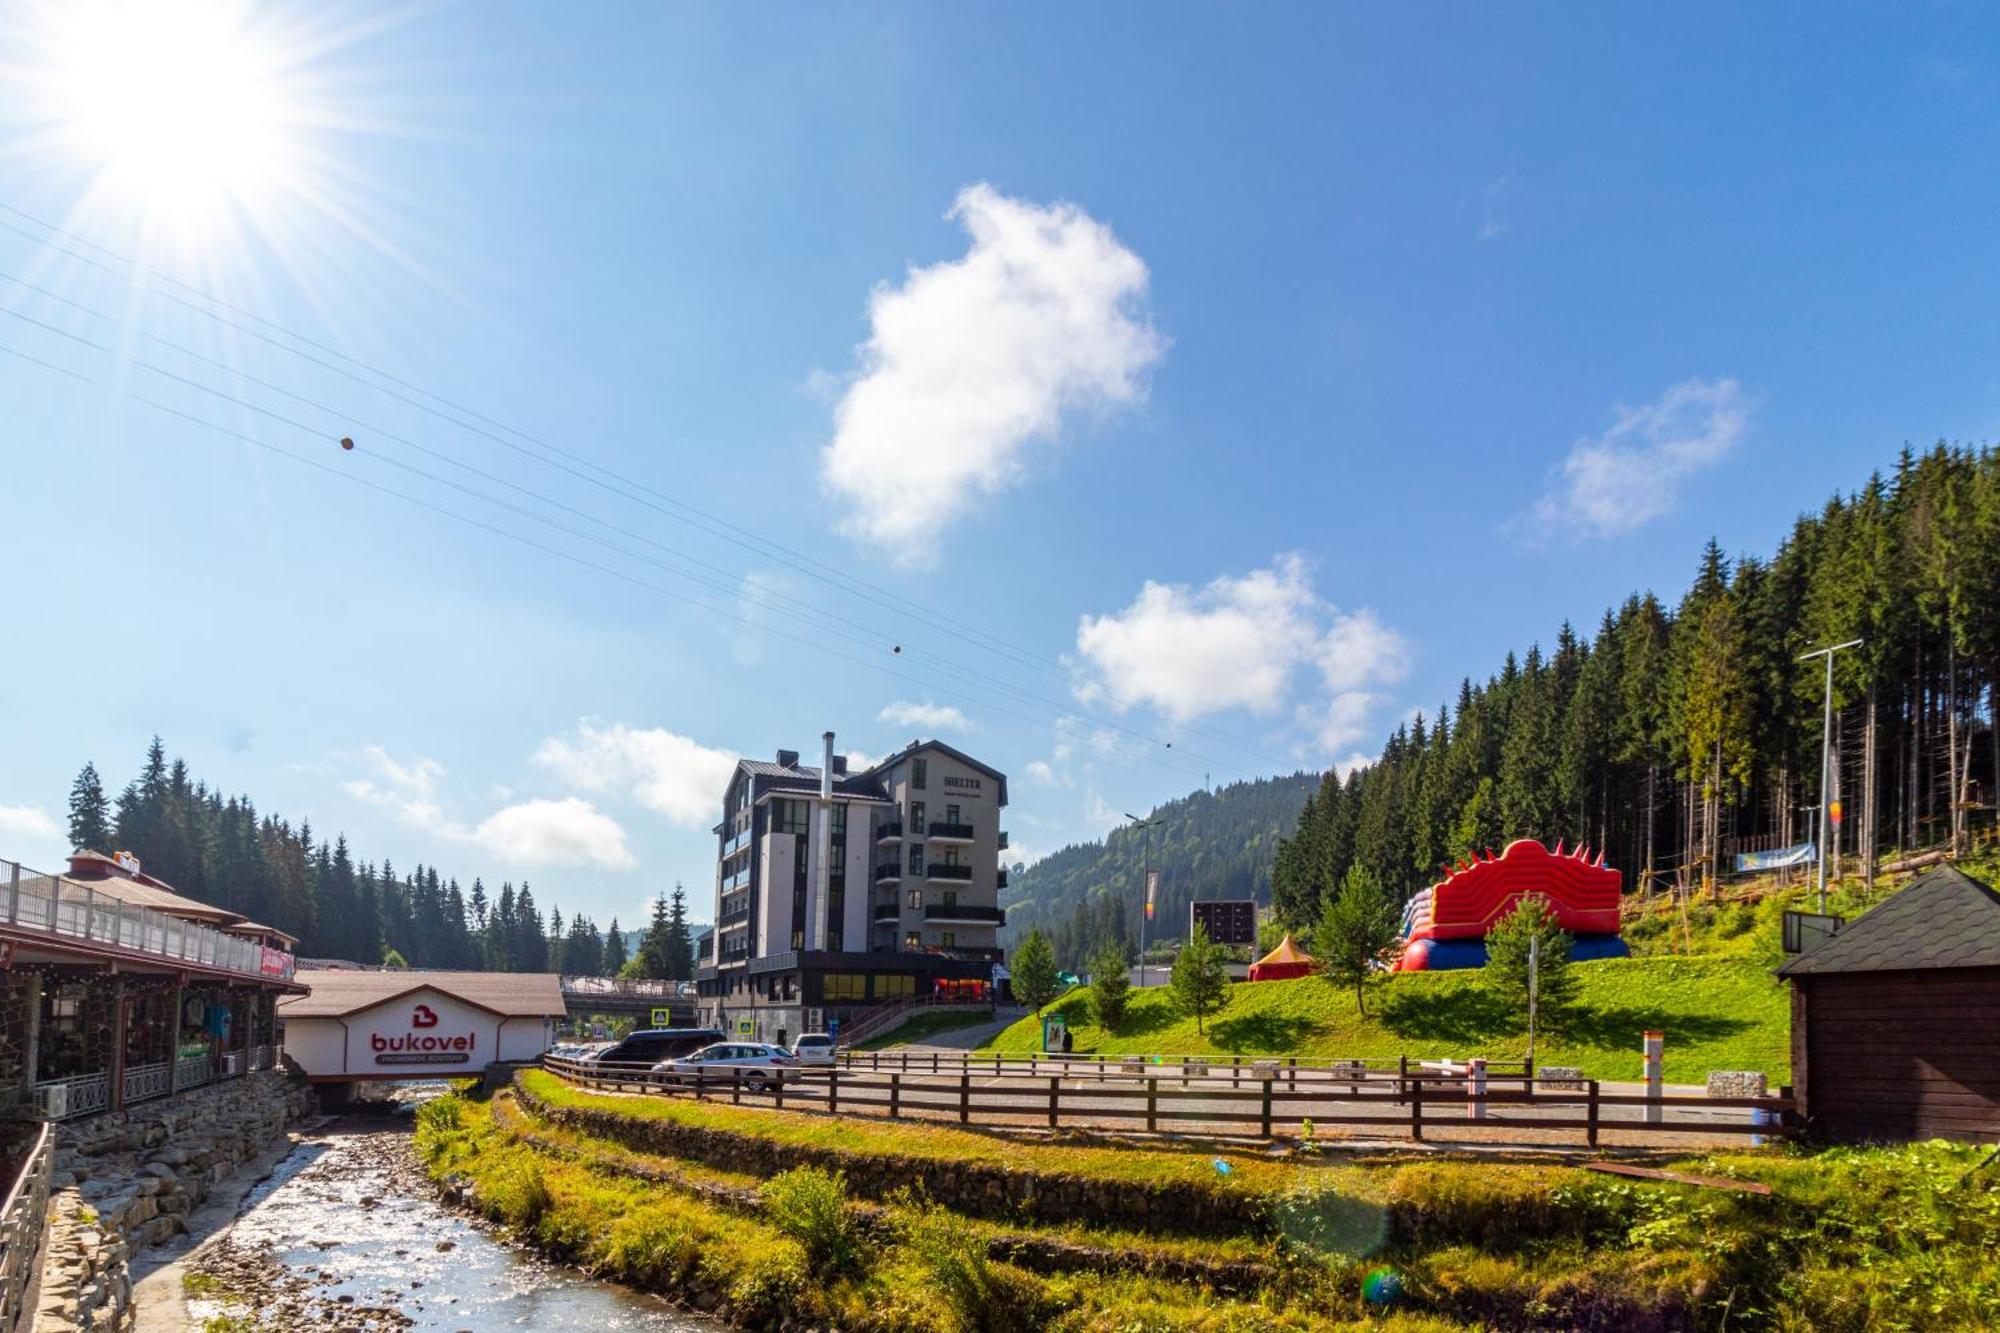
[186, 115]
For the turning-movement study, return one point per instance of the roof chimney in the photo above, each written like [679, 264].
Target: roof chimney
[840, 764]
[788, 759]
[826, 770]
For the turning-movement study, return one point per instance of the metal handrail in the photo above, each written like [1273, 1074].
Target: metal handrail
[78, 911]
[22, 1216]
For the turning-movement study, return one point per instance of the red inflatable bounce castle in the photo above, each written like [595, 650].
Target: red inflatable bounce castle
[1445, 925]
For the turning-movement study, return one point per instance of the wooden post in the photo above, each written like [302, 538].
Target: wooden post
[895, 1094]
[736, 1092]
[1267, 1108]
[965, 1098]
[1416, 1095]
[1402, 1076]
[1055, 1098]
[1152, 1103]
[778, 1093]
[1235, 1072]
[833, 1091]
[1590, 1116]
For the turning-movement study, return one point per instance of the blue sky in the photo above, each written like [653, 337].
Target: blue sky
[1234, 378]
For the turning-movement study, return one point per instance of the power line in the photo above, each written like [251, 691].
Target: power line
[625, 487]
[570, 556]
[819, 620]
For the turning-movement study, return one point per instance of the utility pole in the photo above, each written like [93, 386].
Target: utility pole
[1823, 824]
[1145, 828]
[1534, 986]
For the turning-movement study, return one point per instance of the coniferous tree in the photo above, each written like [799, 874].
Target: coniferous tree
[614, 950]
[1356, 927]
[1110, 985]
[89, 813]
[656, 949]
[680, 940]
[1034, 971]
[1199, 982]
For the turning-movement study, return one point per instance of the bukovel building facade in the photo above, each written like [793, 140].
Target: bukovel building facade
[838, 891]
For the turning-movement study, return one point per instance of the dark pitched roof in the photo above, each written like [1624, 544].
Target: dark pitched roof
[1945, 918]
[960, 755]
[805, 777]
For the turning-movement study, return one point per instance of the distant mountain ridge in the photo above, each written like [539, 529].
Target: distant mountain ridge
[1210, 844]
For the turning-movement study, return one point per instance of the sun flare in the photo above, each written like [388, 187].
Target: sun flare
[180, 110]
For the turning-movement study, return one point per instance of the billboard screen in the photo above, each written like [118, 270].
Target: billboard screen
[1227, 920]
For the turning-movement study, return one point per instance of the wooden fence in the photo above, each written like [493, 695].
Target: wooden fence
[1263, 1098]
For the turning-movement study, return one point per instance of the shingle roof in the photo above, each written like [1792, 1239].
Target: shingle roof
[338, 992]
[1945, 918]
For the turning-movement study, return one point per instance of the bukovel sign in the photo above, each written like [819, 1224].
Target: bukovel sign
[421, 1047]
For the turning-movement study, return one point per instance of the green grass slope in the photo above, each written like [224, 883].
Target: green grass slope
[1716, 1012]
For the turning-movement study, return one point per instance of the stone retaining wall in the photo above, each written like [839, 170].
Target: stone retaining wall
[977, 1188]
[129, 1180]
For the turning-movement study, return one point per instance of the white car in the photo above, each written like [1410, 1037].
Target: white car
[815, 1050]
[762, 1065]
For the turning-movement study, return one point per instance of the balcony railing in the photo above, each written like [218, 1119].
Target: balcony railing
[62, 908]
[737, 843]
[739, 880]
[1003, 840]
[1000, 879]
[143, 1082]
[940, 870]
[993, 916]
[23, 1219]
[953, 832]
[889, 911]
[888, 871]
[888, 832]
[68, 1098]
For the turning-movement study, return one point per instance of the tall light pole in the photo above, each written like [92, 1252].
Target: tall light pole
[1145, 828]
[1824, 823]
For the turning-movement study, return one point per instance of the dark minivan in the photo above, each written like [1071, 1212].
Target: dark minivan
[651, 1045]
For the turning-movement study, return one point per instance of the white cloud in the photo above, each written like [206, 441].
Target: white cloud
[1632, 473]
[1254, 642]
[566, 832]
[1042, 772]
[668, 773]
[409, 787]
[536, 832]
[927, 716]
[971, 360]
[27, 821]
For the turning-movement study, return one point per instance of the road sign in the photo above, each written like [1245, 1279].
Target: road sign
[1227, 920]
[663, 1018]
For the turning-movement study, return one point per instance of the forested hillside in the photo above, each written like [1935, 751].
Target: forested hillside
[222, 851]
[1211, 844]
[1679, 733]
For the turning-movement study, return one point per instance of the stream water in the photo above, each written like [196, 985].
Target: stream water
[347, 1234]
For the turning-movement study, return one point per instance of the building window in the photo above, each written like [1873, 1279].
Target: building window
[916, 900]
[845, 986]
[916, 858]
[949, 939]
[798, 939]
[911, 942]
[919, 773]
[894, 988]
[950, 899]
[951, 814]
[917, 819]
[794, 816]
[839, 819]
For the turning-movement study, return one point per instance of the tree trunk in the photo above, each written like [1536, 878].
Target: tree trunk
[1868, 796]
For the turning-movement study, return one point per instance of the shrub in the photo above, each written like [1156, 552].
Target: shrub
[978, 1295]
[810, 1205]
[441, 1115]
[515, 1190]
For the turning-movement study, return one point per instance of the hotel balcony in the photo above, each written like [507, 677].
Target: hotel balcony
[889, 832]
[737, 843]
[1003, 840]
[951, 833]
[888, 873]
[964, 914]
[888, 911]
[1000, 879]
[939, 870]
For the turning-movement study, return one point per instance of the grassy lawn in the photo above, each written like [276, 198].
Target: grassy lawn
[1717, 1013]
[926, 1025]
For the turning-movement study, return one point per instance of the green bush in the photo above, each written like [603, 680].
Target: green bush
[516, 1190]
[810, 1206]
[442, 1115]
[978, 1296]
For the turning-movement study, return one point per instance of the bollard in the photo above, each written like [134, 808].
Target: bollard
[1475, 1084]
[1655, 1061]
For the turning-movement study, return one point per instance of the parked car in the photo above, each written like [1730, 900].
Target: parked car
[649, 1046]
[815, 1050]
[762, 1064]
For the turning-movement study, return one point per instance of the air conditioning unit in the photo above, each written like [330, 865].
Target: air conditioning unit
[55, 1100]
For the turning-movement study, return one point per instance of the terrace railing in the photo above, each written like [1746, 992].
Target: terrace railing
[68, 1098]
[191, 1071]
[63, 908]
[144, 1082]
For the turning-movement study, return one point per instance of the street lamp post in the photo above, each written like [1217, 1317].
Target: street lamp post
[1145, 827]
[1823, 823]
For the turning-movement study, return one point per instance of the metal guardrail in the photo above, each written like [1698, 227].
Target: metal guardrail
[68, 1098]
[22, 1217]
[145, 1082]
[63, 908]
[1215, 1095]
